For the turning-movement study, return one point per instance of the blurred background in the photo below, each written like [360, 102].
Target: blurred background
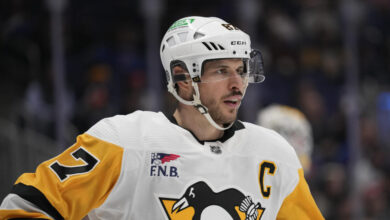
[66, 64]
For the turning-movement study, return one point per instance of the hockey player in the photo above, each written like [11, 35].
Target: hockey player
[200, 163]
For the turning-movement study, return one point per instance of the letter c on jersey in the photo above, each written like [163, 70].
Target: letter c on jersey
[270, 168]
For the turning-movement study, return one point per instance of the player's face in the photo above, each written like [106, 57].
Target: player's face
[222, 95]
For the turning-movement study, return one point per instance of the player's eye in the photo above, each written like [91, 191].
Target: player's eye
[241, 71]
[222, 71]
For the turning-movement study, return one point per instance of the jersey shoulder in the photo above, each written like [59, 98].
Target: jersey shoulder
[121, 129]
[271, 144]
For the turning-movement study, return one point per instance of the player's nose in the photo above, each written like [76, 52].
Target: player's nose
[236, 81]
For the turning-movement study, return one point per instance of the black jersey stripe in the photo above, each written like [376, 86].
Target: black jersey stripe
[35, 196]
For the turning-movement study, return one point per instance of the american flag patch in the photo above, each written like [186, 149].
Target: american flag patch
[161, 158]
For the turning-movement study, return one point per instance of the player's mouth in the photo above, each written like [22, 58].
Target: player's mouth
[233, 101]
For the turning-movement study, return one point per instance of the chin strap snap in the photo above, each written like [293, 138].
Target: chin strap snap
[204, 111]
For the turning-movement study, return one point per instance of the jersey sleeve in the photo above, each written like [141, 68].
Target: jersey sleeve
[299, 204]
[67, 186]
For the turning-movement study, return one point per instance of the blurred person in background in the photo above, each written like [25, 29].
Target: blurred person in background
[292, 124]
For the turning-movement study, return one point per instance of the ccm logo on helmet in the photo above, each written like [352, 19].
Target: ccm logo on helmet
[238, 42]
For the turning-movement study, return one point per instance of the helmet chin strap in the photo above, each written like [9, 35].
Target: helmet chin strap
[198, 105]
[204, 110]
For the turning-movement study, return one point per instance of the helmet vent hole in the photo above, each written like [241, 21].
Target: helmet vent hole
[171, 41]
[234, 52]
[198, 35]
[163, 48]
[183, 36]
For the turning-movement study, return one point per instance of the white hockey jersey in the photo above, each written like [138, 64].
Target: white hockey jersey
[143, 166]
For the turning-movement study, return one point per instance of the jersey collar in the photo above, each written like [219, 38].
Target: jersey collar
[237, 125]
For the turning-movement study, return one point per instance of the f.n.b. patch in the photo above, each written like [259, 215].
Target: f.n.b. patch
[160, 165]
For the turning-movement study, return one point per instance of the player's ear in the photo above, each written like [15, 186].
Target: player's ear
[184, 87]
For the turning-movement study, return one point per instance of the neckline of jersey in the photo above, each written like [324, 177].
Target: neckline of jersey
[237, 125]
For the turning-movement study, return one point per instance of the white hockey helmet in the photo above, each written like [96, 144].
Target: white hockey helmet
[191, 41]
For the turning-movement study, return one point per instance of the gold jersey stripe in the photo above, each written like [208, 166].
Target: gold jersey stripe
[75, 196]
[300, 204]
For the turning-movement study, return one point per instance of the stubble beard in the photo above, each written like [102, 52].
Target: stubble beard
[217, 115]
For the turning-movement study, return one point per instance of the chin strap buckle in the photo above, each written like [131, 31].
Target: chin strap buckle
[202, 109]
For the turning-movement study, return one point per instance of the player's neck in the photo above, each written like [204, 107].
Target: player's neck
[191, 119]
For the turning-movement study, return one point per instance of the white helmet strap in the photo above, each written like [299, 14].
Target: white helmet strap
[204, 110]
[198, 105]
